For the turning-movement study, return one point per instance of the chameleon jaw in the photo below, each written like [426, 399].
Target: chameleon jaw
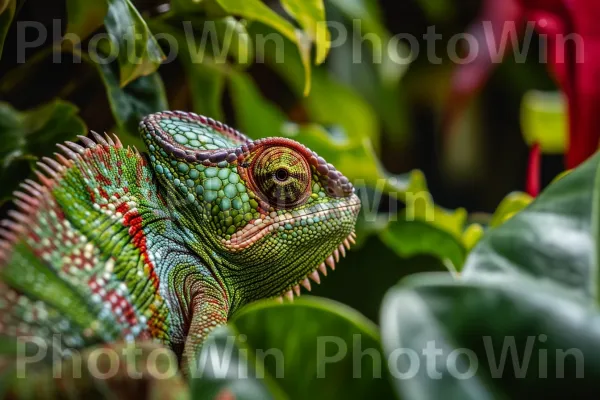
[330, 261]
[260, 228]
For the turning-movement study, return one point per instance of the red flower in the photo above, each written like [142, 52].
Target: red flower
[572, 32]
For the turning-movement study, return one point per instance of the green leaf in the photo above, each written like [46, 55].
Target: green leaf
[386, 97]
[544, 121]
[482, 340]
[472, 235]
[210, 8]
[138, 52]
[131, 42]
[227, 365]
[236, 42]
[28, 135]
[255, 10]
[332, 103]
[329, 102]
[207, 84]
[145, 95]
[206, 49]
[310, 14]
[510, 205]
[368, 15]
[7, 13]
[84, 17]
[595, 274]
[255, 116]
[551, 239]
[409, 238]
[308, 347]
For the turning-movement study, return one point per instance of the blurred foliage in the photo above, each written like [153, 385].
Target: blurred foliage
[365, 118]
[533, 282]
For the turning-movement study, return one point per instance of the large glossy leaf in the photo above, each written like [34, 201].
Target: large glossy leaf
[131, 42]
[227, 367]
[7, 13]
[308, 348]
[552, 239]
[31, 134]
[487, 340]
[528, 291]
[130, 104]
[138, 52]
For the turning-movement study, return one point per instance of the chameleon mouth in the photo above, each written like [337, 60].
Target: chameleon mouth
[330, 262]
[260, 228]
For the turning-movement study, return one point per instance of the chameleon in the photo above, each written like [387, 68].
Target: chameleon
[110, 244]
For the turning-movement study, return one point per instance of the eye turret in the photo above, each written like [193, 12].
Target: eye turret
[282, 176]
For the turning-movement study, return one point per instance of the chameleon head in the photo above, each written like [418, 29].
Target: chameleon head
[272, 213]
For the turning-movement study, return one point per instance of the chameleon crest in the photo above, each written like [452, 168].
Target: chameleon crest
[111, 244]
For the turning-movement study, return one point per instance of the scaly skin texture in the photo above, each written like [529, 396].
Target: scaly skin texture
[113, 245]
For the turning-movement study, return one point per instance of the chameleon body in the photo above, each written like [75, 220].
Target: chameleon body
[114, 245]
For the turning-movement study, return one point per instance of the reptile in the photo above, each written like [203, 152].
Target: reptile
[111, 245]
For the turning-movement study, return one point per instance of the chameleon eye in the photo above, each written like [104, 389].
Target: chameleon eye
[281, 176]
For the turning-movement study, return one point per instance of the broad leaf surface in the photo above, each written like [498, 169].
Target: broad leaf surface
[552, 239]
[489, 340]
